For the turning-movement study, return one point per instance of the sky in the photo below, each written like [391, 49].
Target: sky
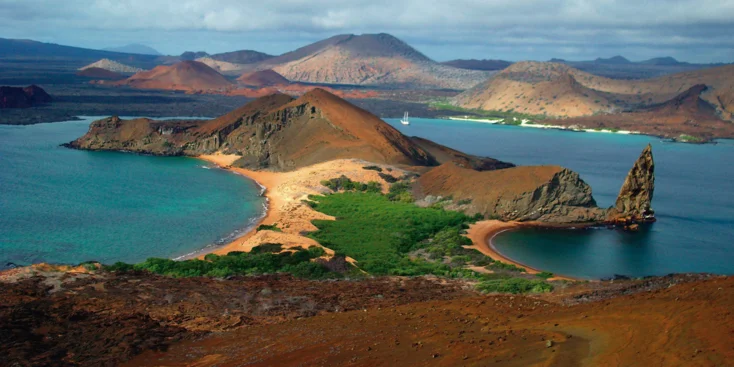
[695, 31]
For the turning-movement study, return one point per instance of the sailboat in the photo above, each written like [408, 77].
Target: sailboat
[405, 120]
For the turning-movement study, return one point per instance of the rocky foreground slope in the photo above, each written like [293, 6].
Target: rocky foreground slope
[50, 317]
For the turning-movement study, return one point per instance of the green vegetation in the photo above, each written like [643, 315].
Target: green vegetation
[514, 285]
[508, 115]
[464, 202]
[344, 183]
[259, 261]
[267, 248]
[689, 139]
[379, 233]
[373, 168]
[505, 267]
[544, 275]
[388, 177]
[269, 227]
[400, 191]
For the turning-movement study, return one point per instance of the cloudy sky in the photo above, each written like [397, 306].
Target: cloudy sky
[695, 30]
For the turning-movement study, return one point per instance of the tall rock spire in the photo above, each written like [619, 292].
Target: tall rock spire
[635, 197]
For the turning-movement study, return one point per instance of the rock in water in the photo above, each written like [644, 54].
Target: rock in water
[635, 197]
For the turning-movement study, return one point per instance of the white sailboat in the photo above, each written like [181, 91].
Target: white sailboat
[405, 120]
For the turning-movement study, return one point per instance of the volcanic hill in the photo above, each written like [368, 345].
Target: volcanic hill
[276, 131]
[16, 97]
[537, 88]
[473, 64]
[99, 73]
[554, 89]
[113, 66]
[185, 75]
[262, 78]
[369, 59]
[688, 117]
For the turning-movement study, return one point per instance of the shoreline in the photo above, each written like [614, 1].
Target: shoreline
[482, 234]
[541, 126]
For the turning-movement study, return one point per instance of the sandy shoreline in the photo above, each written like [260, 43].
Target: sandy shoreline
[482, 233]
[285, 192]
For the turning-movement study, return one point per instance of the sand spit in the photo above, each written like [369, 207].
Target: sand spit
[285, 192]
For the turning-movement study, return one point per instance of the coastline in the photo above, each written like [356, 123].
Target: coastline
[285, 193]
[483, 232]
[541, 126]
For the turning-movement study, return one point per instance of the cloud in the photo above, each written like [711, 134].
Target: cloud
[543, 25]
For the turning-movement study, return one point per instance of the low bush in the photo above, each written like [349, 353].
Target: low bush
[373, 168]
[266, 248]
[269, 227]
[496, 265]
[544, 275]
[261, 261]
[344, 183]
[514, 286]
[388, 177]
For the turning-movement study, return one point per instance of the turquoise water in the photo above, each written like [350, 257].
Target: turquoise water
[693, 199]
[61, 205]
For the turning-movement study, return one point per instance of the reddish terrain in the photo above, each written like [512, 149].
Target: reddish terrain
[185, 75]
[65, 319]
[262, 78]
[686, 114]
[99, 73]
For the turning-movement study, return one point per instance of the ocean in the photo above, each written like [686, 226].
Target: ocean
[59, 205]
[693, 199]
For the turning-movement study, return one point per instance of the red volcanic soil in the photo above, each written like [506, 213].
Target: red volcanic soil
[263, 78]
[185, 75]
[685, 325]
[99, 73]
[16, 97]
[687, 113]
[297, 89]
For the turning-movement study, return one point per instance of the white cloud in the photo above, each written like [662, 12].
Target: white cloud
[540, 24]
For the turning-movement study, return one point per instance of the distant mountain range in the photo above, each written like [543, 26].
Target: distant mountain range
[134, 48]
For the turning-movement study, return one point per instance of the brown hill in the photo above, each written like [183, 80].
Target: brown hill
[686, 115]
[279, 132]
[185, 75]
[16, 97]
[274, 131]
[262, 78]
[242, 57]
[369, 59]
[549, 194]
[99, 73]
[538, 88]
[473, 64]
[560, 90]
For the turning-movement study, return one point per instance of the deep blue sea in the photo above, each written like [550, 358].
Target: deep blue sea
[61, 205]
[694, 199]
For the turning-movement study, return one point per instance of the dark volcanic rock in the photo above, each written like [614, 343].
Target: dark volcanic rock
[635, 197]
[16, 97]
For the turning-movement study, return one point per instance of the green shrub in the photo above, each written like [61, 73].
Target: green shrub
[379, 233]
[315, 251]
[514, 285]
[344, 183]
[119, 266]
[464, 202]
[505, 267]
[269, 227]
[265, 248]
[373, 168]
[388, 177]
[544, 275]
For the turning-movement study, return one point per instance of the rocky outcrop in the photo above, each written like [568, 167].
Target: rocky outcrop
[547, 194]
[633, 204]
[16, 97]
[550, 194]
